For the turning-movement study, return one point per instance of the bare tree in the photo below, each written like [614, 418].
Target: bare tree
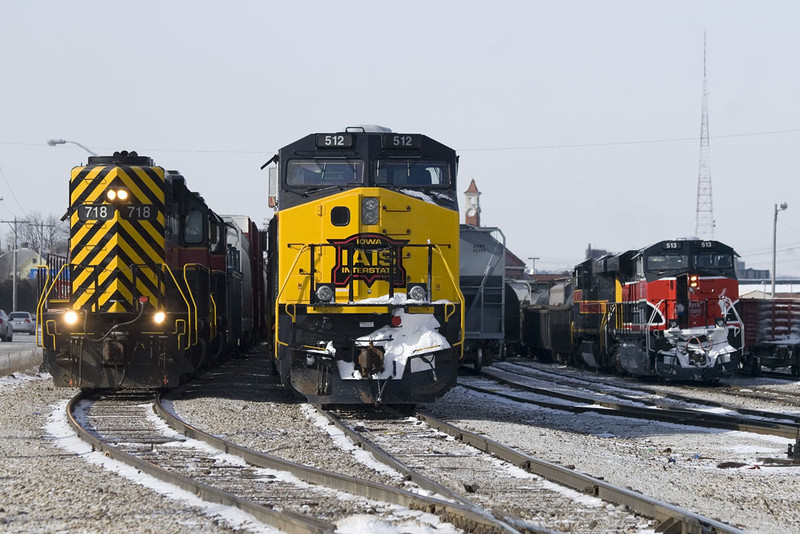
[37, 232]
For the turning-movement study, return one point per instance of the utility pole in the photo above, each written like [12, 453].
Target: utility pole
[783, 207]
[41, 237]
[14, 270]
[704, 217]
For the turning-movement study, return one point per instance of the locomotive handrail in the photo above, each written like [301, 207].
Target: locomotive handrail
[213, 324]
[460, 296]
[42, 300]
[278, 301]
[40, 304]
[431, 247]
[738, 318]
[650, 322]
[165, 267]
[194, 302]
[656, 310]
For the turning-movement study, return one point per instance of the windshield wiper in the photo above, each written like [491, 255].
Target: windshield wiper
[310, 190]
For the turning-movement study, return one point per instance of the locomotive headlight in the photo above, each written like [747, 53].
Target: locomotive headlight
[693, 280]
[324, 293]
[117, 194]
[159, 317]
[369, 210]
[71, 317]
[417, 293]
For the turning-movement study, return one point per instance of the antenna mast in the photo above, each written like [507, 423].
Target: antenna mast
[704, 218]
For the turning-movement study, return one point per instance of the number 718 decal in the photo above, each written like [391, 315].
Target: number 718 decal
[105, 212]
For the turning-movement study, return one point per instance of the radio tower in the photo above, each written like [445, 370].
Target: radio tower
[704, 218]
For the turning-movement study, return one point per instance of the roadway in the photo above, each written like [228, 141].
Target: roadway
[22, 354]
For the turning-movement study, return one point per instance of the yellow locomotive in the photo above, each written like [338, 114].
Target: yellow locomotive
[156, 285]
[363, 267]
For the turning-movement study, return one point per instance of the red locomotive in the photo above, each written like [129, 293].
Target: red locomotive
[666, 310]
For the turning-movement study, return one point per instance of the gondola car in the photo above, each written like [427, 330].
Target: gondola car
[772, 334]
[363, 265]
[153, 289]
[666, 310]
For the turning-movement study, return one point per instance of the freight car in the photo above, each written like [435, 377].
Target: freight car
[156, 287]
[666, 310]
[771, 334]
[482, 268]
[363, 265]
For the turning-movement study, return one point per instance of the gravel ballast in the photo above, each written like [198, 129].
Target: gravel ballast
[46, 486]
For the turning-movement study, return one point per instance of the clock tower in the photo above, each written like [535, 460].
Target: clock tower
[473, 207]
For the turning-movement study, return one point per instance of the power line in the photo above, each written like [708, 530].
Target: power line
[477, 149]
[11, 190]
[641, 142]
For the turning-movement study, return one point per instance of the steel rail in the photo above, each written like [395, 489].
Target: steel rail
[412, 475]
[466, 516]
[669, 415]
[569, 381]
[285, 520]
[671, 518]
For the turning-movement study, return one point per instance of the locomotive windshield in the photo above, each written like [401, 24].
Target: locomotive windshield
[667, 262]
[680, 262]
[413, 173]
[323, 172]
[713, 261]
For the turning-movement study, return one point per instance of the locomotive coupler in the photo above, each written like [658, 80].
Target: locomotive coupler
[113, 352]
[370, 360]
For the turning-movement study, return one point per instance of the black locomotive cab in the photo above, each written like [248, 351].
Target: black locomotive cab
[673, 258]
[321, 164]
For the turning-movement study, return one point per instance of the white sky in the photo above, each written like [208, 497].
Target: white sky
[214, 89]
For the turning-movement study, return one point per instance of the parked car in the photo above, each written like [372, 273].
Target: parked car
[6, 330]
[22, 322]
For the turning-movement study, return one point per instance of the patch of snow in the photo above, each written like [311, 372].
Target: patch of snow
[62, 434]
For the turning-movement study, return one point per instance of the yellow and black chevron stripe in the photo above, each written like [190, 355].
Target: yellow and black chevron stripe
[116, 247]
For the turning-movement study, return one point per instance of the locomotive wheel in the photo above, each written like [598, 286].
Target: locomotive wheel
[478, 363]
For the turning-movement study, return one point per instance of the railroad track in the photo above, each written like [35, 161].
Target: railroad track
[291, 497]
[578, 396]
[464, 465]
[582, 376]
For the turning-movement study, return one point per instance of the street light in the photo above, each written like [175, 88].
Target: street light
[54, 142]
[783, 207]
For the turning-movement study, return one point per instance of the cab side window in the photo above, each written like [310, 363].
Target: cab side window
[193, 227]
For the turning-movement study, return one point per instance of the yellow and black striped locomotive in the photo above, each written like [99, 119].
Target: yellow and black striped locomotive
[155, 284]
[363, 267]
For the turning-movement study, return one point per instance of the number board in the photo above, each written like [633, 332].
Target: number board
[139, 212]
[394, 140]
[96, 212]
[672, 245]
[338, 140]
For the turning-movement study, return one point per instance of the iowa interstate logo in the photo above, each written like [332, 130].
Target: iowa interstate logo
[368, 257]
